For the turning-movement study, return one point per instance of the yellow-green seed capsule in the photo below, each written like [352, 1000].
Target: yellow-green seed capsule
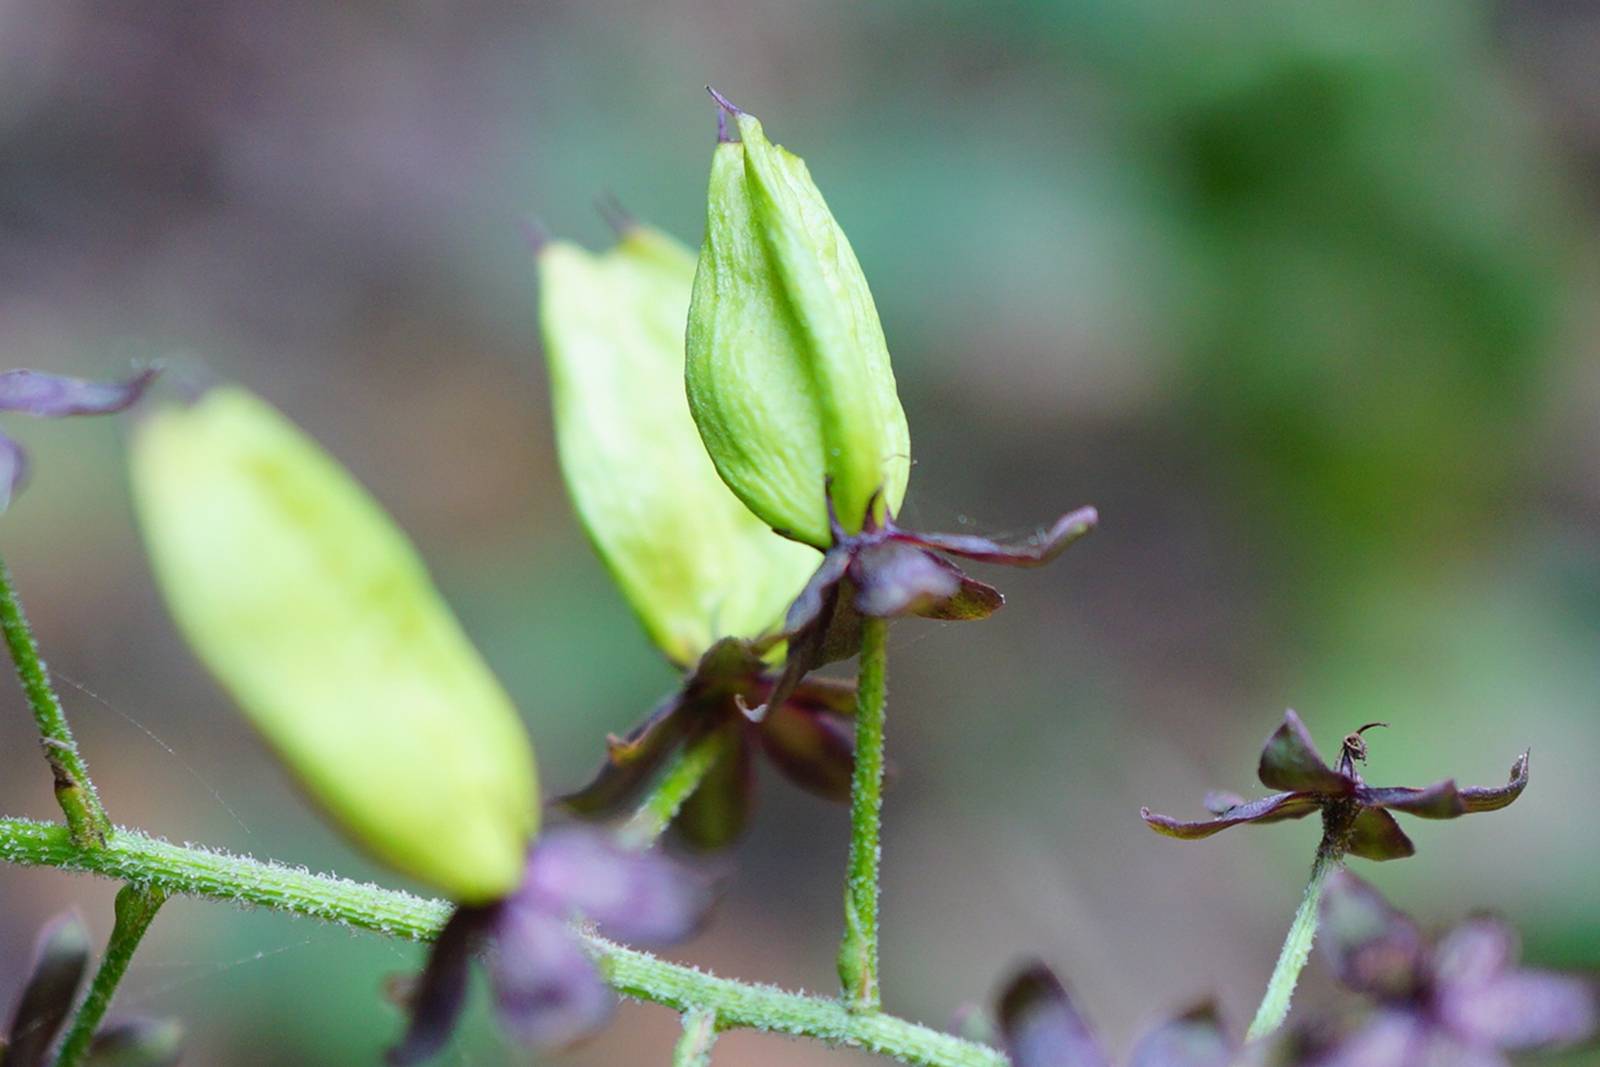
[692, 560]
[314, 612]
[788, 373]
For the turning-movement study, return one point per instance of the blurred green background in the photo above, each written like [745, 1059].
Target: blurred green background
[1300, 295]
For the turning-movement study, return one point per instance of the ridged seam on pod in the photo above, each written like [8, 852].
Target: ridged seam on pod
[693, 561]
[788, 373]
[315, 613]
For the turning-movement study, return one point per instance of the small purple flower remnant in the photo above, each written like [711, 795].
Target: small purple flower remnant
[1042, 1028]
[1355, 816]
[1463, 1002]
[809, 736]
[51, 396]
[547, 991]
[60, 961]
[888, 572]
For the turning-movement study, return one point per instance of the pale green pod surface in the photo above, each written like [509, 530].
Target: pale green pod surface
[692, 560]
[788, 373]
[317, 616]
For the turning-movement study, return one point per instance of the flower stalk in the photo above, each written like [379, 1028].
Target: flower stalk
[136, 908]
[1296, 950]
[676, 786]
[699, 1035]
[858, 954]
[131, 856]
[75, 792]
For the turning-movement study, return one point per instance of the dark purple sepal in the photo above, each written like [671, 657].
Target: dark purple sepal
[717, 812]
[640, 896]
[1290, 760]
[441, 991]
[60, 957]
[547, 992]
[1194, 1039]
[1438, 801]
[1373, 948]
[633, 760]
[1374, 835]
[1493, 798]
[13, 470]
[1273, 808]
[1033, 552]
[1040, 1025]
[812, 743]
[53, 396]
[137, 1043]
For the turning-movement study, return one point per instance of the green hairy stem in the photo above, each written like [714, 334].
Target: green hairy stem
[677, 785]
[858, 954]
[76, 794]
[136, 909]
[1296, 950]
[175, 870]
[699, 1035]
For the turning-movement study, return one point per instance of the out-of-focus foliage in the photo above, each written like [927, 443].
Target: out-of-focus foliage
[1297, 294]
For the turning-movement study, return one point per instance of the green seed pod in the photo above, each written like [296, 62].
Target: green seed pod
[317, 616]
[692, 560]
[788, 373]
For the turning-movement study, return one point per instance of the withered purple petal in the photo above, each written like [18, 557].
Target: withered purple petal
[1373, 948]
[547, 992]
[1035, 551]
[1194, 1039]
[1290, 760]
[442, 991]
[1521, 1010]
[810, 605]
[137, 1043]
[60, 957]
[716, 813]
[643, 897]
[1376, 836]
[1274, 808]
[812, 745]
[55, 396]
[1220, 801]
[1397, 1038]
[893, 580]
[1040, 1025]
[1475, 951]
[1438, 801]
[13, 470]
[1485, 798]
[632, 760]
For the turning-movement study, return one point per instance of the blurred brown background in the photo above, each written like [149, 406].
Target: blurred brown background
[1300, 295]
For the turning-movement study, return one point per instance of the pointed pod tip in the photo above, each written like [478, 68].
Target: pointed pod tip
[619, 218]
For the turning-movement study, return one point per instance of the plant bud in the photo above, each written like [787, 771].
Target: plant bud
[692, 560]
[317, 616]
[788, 373]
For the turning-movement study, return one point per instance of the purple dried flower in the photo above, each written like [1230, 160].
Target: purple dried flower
[53, 396]
[1355, 815]
[546, 989]
[888, 572]
[60, 961]
[808, 736]
[1042, 1028]
[1462, 1002]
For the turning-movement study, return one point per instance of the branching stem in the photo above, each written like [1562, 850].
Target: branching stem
[677, 785]
[76, 794]
[136, 908]
[699, 1035]
[130, 856]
